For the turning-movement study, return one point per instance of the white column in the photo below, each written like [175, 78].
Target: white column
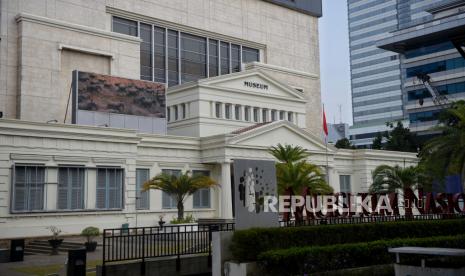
[223, 110]
[233, 112]
[260, 117]
[91, 188]
[51, 187]
[226, 193]
[268, 115]
[242, 113]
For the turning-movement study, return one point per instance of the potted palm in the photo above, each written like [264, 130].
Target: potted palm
[90, 233]
[55, 242]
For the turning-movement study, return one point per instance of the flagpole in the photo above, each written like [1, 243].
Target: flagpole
[325, 130]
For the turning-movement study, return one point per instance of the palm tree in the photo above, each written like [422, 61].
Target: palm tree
[179, 187]
[445, 154]
[296, 176]
[390, 178]
[288, 153]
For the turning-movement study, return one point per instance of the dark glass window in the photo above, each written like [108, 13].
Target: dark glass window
[124, 26]
[237, 112]
[227, 111]
[443, 65]
[247, 113]
[289, 116]
[176, 113]
[168, 112]
[446, 89]
[184, 110]
[273, 115]
[201, 198]
[424, 116]
[429, 49]
[224, 52]
[235, 58]
[168, 201]
[146, 52]
[255, 114]
[250, 55]
[218, 110]
[159, 49]
[193, 57]
[281, 115]
[213, 57]
[173, 58]
[265, 115]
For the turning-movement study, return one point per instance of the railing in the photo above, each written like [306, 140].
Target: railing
[141, 243]
[368, 219]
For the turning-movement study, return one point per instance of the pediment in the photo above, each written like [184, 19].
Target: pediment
[281, 132]
[253, 81]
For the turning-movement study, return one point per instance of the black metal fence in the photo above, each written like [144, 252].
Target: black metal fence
[141, 243]
[368, 219]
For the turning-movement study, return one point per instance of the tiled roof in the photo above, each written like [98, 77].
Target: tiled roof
[245, 129]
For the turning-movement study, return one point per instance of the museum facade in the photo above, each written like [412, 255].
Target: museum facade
[241, 76]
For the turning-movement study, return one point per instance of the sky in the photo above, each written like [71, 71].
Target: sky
[334, 62]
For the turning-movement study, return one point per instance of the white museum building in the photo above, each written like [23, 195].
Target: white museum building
[242, 76]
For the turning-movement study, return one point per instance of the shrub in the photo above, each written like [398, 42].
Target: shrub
[310, 259]
[248, 244]
[187, 219]
[90, 232]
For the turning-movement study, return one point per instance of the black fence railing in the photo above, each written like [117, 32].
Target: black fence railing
[141, 243]
[368, 219]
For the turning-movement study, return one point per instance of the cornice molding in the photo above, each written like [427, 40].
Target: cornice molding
[280, 69]
[26, 17]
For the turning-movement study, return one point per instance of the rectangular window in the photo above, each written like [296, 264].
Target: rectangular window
[247, 113]
[124, 26]
[218, 110]
[213, 57]
[265, 115]
[273, 115]
[225, 57]
[201, 198]
[237, 112]
[193, 57]
[176, 113]
[142, 197]
[167, 201]
[344, 183]
[250, 55]
[255, 114]
[173, 58]
[109, 188]
[289, 116]
[28, 190]
[71, 183]
[146, 52]
[183, 110]
[235, 58]
[168, 112]
[281, 115]
[159, 54]
[227, 111]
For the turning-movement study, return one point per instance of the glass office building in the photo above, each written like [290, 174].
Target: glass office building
[398, 41]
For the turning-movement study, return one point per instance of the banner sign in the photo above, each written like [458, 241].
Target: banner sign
[254, 181]
[118, 102]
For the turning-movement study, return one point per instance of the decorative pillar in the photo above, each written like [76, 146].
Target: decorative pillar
[226, 193]
[223, 110]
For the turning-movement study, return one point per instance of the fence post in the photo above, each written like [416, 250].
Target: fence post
[178, 250]
[209, 246]
[142, 265]
[103, 257]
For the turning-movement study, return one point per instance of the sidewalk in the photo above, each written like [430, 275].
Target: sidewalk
[47, 264]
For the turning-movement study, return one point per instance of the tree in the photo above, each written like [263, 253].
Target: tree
[445, 154]
[344, 143]
[378, 142]
[389, 179]
[399, 138]
[179, 187]
[296, 176]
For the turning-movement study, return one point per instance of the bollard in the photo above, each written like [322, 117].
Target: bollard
[76, 262]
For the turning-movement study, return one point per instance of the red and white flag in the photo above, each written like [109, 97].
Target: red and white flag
[325, 126]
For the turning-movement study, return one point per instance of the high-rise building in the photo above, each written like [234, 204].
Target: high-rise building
[408, 51]
[375, 73]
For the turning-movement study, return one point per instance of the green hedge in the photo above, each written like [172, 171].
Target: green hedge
[310, 259]
[248, 244]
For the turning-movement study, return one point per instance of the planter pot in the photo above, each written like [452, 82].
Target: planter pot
[91, 246]
[55, 244]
